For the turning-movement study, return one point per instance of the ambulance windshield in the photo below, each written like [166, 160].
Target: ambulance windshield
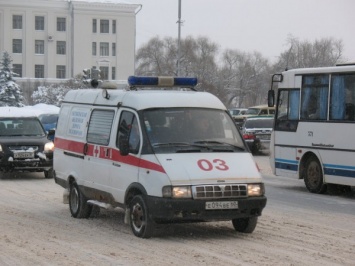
[195, 127]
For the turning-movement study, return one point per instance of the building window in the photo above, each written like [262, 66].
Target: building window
[17, 22]
[39, 47]
[113, 49]
[39, 23]
[39, 71]
[94, 25]
[61, 47]
[61, 24]
[113, 73]
[17, 68]
[104, 73]
[60, 72]
[114, 26]
[104, 26]
[17, 46]
[104, 50]
[94, 48]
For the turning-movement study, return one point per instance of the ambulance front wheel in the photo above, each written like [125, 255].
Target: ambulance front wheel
[141, 225]
[245, 225]
[78, 203]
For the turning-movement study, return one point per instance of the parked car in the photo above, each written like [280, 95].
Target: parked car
[49, 122]
[256, 131]
[47, 114]
[237, 111]
[258, 110]
[24, 144]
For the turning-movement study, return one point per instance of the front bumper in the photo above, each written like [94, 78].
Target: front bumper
[189, 210]
[41, 162]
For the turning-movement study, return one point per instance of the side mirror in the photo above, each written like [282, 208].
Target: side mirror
[271, 98]
[123, 144]
[50, 134]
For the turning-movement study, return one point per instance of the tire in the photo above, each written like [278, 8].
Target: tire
[141, 225]
[256, 148]
[245, 225]
[313, 176]
[77, 203]
[49, 173]
[95, 211]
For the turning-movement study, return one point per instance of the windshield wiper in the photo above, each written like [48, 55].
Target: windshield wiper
[180, 144]
[219, 142]
[199, 144]
[171, 144]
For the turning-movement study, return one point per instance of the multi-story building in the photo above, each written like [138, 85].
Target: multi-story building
[57, 39]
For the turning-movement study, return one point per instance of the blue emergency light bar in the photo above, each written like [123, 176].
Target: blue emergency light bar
[135, 81]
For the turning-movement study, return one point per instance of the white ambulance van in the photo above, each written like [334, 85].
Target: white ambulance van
[165, 156]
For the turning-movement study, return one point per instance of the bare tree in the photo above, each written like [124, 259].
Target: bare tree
[157, 58]
[240, 79]
[197, 59]
[301, 54]
[244, 76]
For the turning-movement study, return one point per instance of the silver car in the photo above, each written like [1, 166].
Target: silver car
[256, 132]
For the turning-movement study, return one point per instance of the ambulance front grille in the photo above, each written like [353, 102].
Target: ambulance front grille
[220, 191]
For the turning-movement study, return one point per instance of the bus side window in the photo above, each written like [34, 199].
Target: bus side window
[342, 97]
[349, 112]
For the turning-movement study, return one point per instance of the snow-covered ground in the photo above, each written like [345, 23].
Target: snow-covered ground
[36, 229]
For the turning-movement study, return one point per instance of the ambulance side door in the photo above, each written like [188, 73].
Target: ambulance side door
[98, 153]
[124, 168]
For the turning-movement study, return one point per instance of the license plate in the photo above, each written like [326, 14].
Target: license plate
[221, 205]
[23, 155]
[264, 137]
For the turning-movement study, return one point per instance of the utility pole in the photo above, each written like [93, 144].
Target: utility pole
[179, 36]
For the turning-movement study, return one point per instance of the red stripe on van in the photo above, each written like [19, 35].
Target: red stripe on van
[106, 153]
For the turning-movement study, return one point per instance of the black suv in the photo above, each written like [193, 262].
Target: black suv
[24, 146]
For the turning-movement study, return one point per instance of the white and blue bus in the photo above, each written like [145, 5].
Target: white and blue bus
[314, 131]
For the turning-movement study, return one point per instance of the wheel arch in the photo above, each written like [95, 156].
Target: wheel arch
[71, 180]
[133, 190]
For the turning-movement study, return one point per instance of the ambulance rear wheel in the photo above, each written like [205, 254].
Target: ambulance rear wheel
[245, 225]
[78, 203]
[141, 225]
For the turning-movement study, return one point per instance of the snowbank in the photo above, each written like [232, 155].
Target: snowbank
[27, 111]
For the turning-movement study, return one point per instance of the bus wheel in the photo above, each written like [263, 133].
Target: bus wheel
[313, 177]
[78, 203]
[245, 225]
[141, 225]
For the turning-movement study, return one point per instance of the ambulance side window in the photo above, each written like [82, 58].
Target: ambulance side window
[129, 129]
[100, 127]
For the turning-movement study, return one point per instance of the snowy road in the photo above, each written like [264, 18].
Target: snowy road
[36, 229]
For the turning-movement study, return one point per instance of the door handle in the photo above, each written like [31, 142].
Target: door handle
[85, 150]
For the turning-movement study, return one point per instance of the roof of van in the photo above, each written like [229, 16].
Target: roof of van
[144, 99]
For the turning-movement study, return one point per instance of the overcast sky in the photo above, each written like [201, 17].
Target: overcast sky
[250, 25]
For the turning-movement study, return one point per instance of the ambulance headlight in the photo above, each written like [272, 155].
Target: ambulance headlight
[182, 192]
[256, 190]
[49, 146]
